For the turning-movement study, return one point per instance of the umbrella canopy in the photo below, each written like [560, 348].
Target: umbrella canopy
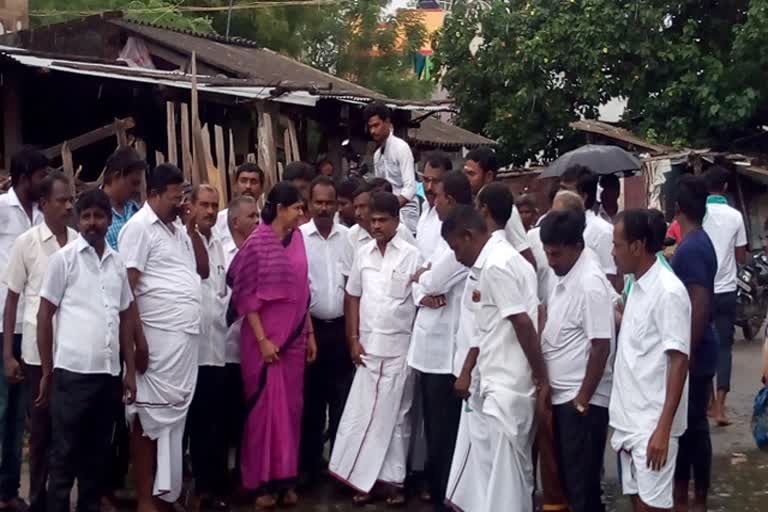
[600, 159]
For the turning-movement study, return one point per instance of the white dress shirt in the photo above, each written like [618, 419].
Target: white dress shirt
[90, 293]
[232, 350]
[221, 228]
[393, 161]
[544, 274]
[428, 236]
[13, 222]
[598, 236]
[506, 287]
[326, 258]
[168, 293]
[579, 310]
[432, 343]
[383, 284]
[516, 232]
[725, 227]
[357, 238]
[657, 319]
[24, 275]
[212, 339]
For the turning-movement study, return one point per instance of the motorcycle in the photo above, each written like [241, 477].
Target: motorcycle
[357, 167]
[752, 295]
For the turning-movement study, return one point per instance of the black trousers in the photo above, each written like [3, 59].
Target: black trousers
[695, 452]
[442, 412]
[580, 444]
[80, 435]
[39, 440]
[326, 386]
[724, 309]
[120, 448]
[234, 418]
[207, 432]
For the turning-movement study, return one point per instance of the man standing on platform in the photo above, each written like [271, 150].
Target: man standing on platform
[393, 161]
[123, 177]
[249, 181]
[327, 381]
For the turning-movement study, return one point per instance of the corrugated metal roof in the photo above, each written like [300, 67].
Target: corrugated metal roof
[437, 133]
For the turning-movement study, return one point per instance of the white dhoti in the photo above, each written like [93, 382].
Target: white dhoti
[373, 436]
[508, 468]
[466, 488]
[163, 395]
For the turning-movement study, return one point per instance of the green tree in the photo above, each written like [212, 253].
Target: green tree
[521, 71]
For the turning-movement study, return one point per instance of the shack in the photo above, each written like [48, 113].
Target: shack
[201, 101]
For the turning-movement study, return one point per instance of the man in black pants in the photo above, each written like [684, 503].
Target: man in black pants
[695, 264]
[577, 342]
[327, 381]
[86, 287]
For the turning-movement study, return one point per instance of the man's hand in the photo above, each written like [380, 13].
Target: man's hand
[461, 386]
[129, 388]
[357, 352]
[418, 273]
[544, 400]
[13, 372]
[658, 446]
[141, 354]
[45, 390]
[403, 201]
[435, 302]
[311, 349]
[5, 183]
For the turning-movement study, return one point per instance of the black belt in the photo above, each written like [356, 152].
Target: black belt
[328, 322]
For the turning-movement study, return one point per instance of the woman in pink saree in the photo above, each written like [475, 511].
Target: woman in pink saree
[270, 289]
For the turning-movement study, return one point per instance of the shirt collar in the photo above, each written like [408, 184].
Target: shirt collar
[362, 234]
[575, 270]
[151, 215]
[45, 232]
[13, 200]
[312, 230]
[229, 245]
[83, 245]
[646, 282]
[480, 261]
[500, 234]
[130, 207]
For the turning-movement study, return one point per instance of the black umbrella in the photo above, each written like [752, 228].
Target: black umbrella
[600, 159]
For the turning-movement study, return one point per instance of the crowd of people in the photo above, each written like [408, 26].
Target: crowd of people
[472, 336]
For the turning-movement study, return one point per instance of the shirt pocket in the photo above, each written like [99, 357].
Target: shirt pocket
[398, 285]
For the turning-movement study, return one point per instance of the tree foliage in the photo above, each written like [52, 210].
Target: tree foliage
[690, 71]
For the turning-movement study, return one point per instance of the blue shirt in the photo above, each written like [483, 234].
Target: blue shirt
[118, 221]
[695, 263]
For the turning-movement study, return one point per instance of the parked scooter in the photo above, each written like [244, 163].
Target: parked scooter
[752, 295]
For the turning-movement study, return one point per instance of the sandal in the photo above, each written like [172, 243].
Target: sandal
[265, 501]
[289, 498]
[396, 500]
[362, 499]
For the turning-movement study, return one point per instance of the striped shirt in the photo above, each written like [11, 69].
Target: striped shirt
[119, 220]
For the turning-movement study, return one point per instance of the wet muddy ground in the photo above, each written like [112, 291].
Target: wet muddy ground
[739, 474]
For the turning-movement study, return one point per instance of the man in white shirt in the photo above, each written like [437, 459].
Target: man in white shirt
[437, 290]
[374, 431]
[207, 443]
[242, 216]
[327, 381]
[249, 181]
[481, 166]
[393, 161]
[18, 213]
[725, 227]
[24, 278]
[577, 343]
[164, 271]
[345, 194]
[509, 360]
[649, 400]
[86, 287]
[359, 235]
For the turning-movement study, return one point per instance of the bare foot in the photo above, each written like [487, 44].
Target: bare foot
[722, 420]
[289, 498]
[362, 499]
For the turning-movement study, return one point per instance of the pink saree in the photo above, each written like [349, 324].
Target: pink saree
[272, 280]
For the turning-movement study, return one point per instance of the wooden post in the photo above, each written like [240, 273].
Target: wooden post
[198, 144]
[122, 136]
[232, 165]
[186, 157]
[221, 165]
[68, 167]
[170, 108]
[159, 158]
